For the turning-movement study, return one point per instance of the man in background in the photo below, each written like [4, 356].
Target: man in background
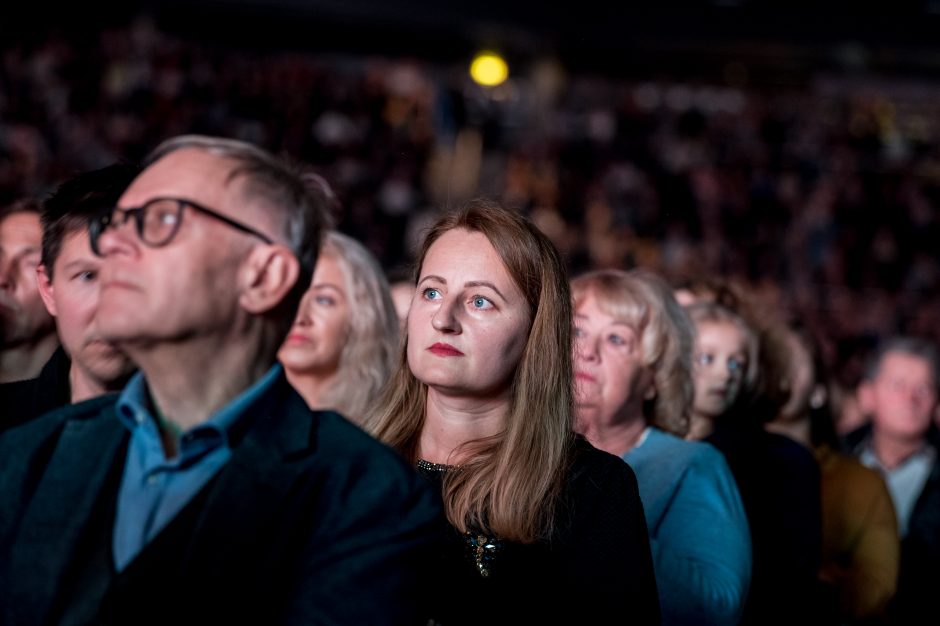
[27, 332]
[900, 392]
[84, 366]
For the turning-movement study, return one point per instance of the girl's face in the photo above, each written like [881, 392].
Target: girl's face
[720, 360]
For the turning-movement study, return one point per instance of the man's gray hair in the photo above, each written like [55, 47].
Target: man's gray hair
[912, 346]
[276, 185]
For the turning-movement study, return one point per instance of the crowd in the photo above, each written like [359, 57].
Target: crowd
[684, 371]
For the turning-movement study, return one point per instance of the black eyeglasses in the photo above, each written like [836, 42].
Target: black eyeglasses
[158, 221]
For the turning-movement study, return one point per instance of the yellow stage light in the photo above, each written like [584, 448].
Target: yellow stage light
[489, 69]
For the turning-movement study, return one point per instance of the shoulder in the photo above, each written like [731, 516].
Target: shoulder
[49, 423]
[596, 470]
[358, 464]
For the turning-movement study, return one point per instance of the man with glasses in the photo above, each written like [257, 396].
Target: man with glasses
[207, 492]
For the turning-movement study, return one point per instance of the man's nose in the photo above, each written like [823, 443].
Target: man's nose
[117, 237]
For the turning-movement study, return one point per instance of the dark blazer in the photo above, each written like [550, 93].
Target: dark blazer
[311, 521]
[22, 400]
[919, 574]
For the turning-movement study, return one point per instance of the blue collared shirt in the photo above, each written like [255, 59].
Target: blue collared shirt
[905, 482]
[155, 489]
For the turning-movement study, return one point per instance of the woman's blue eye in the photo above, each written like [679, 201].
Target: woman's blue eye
[479, 302]
[734, 365]
[703, 358]
[617, 340]
[431, 293]
[325, 301]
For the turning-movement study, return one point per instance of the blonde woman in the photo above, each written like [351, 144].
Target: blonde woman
[633, 396]
[482, 403]
[341, 349]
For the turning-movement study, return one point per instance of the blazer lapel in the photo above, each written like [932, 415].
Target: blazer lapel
[60, 508]
[252, 486]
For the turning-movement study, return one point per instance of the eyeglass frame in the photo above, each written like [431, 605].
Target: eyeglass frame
[105, 220]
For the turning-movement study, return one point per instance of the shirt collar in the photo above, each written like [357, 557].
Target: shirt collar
[134, 406]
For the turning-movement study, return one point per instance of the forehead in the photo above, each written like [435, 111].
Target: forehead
[188, 173]
[75, 246]
[328, 269]
[465, 253]
[21, 228]
[905, 365]
[592, 306]
[721, 333]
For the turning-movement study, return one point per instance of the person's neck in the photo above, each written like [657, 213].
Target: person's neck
[617, 439]
[192, 380]
[700, 427]
[25, 360]
[311, 386]
[84, 386]
[796, 429]
[450, 422]
[892, 451]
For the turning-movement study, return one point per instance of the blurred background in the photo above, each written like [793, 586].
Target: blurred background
[792, 146]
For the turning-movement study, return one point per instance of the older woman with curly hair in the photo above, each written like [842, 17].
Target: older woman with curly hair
[633, 396]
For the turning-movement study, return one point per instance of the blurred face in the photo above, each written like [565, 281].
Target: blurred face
[902, 397]
[402, 293]
[469, 322]
[190, 286]
[720, 360]
[72, 297]
[610, 380]
[801, 378]
[23, 318]
[321, 329]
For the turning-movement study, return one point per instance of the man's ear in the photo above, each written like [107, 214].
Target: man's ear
[267, 277]
[45, 289]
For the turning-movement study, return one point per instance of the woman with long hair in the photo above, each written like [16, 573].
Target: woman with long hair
[482, 403]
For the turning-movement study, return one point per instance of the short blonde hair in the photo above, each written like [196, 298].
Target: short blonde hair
[646, 303]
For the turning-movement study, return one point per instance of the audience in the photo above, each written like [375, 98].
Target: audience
[342, 346]
[860, 547]
[633, 396]
[84, 366]
[207, 491]
[542, 522]
[209, 483]
[28, 336]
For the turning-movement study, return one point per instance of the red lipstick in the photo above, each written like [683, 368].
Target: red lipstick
[445, 349]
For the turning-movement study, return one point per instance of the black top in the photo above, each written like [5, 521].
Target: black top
[779, 484]
[23, 400]
[596, 565]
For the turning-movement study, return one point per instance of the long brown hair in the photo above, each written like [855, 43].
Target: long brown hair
[512, 481]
